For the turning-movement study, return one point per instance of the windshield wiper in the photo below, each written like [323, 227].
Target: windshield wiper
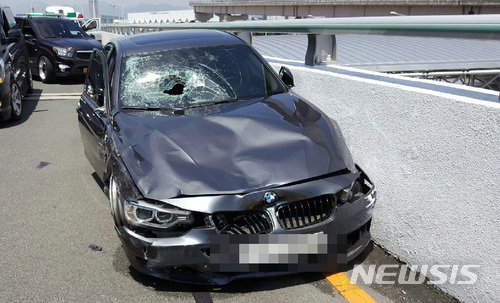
[211, 103]
[180, 110]
[148, 108]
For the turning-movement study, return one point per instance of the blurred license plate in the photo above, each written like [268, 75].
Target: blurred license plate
[84, 70]
[276, 252]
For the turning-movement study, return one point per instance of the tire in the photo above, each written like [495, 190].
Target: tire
[45, 70]
[114, 197]
[112, 194]
[30, 82]
[16, 102]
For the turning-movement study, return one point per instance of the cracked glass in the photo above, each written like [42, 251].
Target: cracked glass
[195, 76]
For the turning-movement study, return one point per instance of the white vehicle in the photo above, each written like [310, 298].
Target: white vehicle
[62, 10]
[65, 11]
[93, 24]
[93, 28]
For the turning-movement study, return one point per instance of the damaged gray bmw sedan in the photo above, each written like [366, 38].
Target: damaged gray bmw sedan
[216, 170]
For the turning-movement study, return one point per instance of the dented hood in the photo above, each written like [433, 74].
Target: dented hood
[239, 147]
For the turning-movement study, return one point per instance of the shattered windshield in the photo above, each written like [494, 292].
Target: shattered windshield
[187, 77]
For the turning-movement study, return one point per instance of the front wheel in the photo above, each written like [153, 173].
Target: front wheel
[15, 102]
[45, 70]
[114, 200]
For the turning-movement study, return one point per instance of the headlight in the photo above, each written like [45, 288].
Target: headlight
[351, 193]
[2, 71]
[149, 215]
[63, 52]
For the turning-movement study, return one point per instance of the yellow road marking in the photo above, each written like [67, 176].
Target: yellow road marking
[351, 292]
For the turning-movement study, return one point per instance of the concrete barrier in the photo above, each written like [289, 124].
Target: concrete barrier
[433, 151]
[106, 37]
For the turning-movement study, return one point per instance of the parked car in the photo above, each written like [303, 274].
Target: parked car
[204, 147]
[15, 76]
[57, 47]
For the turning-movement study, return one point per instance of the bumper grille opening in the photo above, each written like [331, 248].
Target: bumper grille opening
[85, 55]
[356, 235]
[239, 223]
[305, 212]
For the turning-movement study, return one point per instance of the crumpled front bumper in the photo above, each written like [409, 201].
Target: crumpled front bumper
[187, 258]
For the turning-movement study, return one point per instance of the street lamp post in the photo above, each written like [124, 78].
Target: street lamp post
[113, 15]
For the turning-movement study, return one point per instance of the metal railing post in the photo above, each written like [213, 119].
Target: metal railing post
[319, 47]
[245, 36]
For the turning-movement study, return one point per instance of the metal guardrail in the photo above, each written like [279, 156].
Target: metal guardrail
[351, 2]
[321, 32]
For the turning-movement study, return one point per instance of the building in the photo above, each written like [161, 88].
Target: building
[161, 17]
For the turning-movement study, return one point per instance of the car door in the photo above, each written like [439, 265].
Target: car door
[24, 67]
[19, 60]
[30, 38]
[93, 112]
[15, 51]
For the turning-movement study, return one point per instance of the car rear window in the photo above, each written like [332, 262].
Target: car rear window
[191, 76]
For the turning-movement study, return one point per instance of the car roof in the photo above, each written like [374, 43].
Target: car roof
[175, 39]
[43, 19]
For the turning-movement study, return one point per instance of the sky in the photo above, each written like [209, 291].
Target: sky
[106, 6]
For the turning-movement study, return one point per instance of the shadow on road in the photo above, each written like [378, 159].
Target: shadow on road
[237, 286]
[64, 81]
[99, 182]
[29, 107]
[72, 81]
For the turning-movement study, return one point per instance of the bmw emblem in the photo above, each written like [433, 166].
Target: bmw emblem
[270, 197]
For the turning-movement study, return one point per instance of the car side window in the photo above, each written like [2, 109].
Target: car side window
[94, 86]
[27, 30]
[5, 27]
[110, 53]
[9, 17]
[2, 36]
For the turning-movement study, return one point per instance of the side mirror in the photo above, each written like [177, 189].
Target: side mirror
[92, 36]
[100, 96]
[88, 88]
[29, 37]
[100, 92]
[286, 76]
[99, 111]
[14, 35]
[89, 25]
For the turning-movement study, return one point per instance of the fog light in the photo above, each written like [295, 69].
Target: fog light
[63, 67]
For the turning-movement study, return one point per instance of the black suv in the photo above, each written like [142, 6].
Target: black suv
[15, 75]
[57, 47]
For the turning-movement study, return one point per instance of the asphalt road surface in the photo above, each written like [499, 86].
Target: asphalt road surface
[52, 209]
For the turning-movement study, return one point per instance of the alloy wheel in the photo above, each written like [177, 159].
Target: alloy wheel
[16, 100]
[42, 69]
